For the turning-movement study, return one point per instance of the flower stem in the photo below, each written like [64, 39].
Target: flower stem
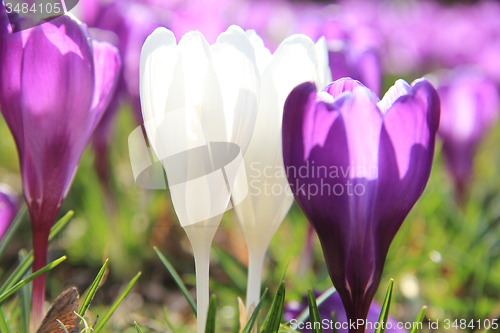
[201, 235]
[255, 264]
[40, 243]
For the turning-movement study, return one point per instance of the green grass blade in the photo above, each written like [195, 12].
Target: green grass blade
[314, 313]
[117, 303]
[334, 322]
[168, 321]
[33, 276]
[25, 265]
[255, 314]
[286, 268]
[93, 289]
[137, 327]
[232, 267]
[25, 299]
[12, 229]
[273, 319]
[60, 225]
[419, 320]
[304, 315]
[384, 312]
[3, 324]
[177, 279]
[210, 326]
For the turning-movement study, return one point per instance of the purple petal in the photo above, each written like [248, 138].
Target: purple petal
[470, 107]
[11, 56]
[8, 208]
[107, 64]
[369, 69]
[342, 85]
[56, 92]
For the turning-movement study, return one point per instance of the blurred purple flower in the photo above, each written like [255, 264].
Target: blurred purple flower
[334, 304]
[367, 162]
[8, 208]
[126, 24]
[362, 64]
[131, 23]
[470, 105]
[55, 83]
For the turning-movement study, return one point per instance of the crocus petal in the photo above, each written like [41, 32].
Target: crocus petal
[8, 208]
[11, 57]
[324, 73]
[159, 58]
[470, 106]
[50, 96]
[370, 70]
[262, 54]
[234, 62]
[293, 52]
[342, 85]
[107, 64]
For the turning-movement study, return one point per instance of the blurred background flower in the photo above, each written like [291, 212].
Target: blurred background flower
[470, 107]
[8, 208]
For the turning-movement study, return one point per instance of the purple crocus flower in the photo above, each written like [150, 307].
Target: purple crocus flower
[334, 304]
[8, 208]
[470, 105]
[356, 166]
[360, 63]
[55, 83]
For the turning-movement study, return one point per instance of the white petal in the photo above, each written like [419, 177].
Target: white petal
[234, 63]
[158, 59]
[262, 54]
[294, 62]
[323, 70]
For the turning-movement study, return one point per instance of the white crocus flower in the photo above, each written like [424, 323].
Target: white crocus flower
[296, 60]
[199, 104]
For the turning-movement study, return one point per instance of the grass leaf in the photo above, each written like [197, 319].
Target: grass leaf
[3, 324]
[25, 299]
[419, 319]
[314, 313]
[33, 276]
[177, 279]
[334, 322]
[168, 321]
[304, 315]
[93, 289]
[273, 319]
[137, 327]
[25, 265]
[232, 267]
[210, 326]
[384, 312]
[117, 303]
[253, 318]
[12, 229]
